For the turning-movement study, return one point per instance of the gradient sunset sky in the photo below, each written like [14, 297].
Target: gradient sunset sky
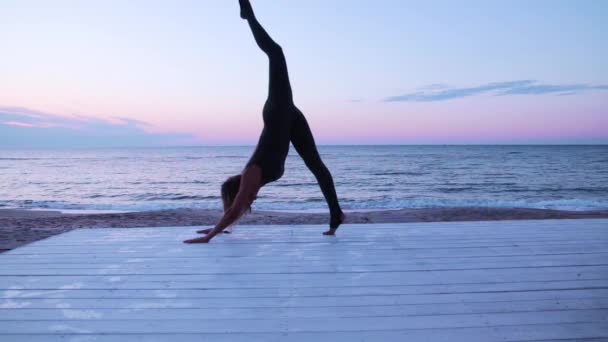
[109, 73]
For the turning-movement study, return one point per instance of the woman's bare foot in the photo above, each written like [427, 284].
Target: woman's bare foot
[334, 223]
[246, 9]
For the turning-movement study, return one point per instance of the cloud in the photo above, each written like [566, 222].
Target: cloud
[441, 92]
[23, 127]
[17, 123]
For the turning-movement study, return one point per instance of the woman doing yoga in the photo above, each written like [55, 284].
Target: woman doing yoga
[283, 123]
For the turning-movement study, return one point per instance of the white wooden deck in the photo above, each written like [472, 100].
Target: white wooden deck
[473, 281]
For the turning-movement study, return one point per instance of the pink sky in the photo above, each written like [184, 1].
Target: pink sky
[394, 72]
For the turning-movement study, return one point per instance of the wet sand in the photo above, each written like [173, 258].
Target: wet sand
[19, 227]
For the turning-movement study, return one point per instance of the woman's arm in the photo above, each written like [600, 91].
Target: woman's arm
[249, 187]
[229, 218]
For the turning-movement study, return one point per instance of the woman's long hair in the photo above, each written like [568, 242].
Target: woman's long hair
[230, 189]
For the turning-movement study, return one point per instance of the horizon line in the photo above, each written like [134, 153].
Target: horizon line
[333, 145]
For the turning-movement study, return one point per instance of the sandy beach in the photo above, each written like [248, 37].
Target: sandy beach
[19, 227]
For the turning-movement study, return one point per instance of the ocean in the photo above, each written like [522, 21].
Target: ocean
[366, 177]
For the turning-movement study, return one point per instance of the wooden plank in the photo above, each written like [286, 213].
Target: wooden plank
[324, 253]
[291, 302]
[315, 241]
[562, 332]
[282, 291]
[78, 291]
[350, 233]
[60, 262]
[228, 313]
[312, 241]
[262, 325]
[318, 267]
[267, 260]
[423, 274]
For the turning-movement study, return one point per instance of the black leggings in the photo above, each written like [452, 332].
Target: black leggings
[292, 123]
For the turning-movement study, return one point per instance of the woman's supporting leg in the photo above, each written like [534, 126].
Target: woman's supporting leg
[279, 86]
[304, 143]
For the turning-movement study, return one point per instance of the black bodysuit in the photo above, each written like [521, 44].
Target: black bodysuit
[285, 123]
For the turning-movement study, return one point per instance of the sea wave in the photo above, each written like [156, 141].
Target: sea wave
[400, 173]
[168, 182]
[212, 202]
[172, 197]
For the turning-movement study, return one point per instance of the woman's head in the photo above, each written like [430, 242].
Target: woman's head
[229, 190]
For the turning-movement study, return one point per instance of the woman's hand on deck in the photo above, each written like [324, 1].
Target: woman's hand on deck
[208, 230]
[204, 239]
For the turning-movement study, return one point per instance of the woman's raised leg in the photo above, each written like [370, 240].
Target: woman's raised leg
[279, 85]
